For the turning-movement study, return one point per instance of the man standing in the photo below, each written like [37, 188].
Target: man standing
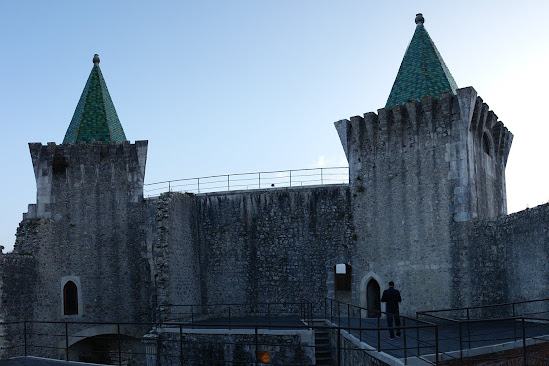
[391, 296]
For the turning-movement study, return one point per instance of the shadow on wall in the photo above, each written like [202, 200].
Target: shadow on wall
[109, 349]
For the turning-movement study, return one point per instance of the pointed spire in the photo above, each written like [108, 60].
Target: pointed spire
[422, 71]
[95, 117]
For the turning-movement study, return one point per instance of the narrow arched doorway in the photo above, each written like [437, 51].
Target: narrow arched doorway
[373, 299]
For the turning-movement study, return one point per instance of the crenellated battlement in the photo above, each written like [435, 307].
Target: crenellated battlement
[452, 135]
[483, 121]
[419, 124]
[65, 171]
[91, 153]
[402, 127]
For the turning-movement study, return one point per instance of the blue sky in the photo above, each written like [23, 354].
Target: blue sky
[236, 86]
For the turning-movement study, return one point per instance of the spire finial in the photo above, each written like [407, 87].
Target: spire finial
[420, 19]
[96, 60]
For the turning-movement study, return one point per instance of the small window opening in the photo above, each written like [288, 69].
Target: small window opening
[342, 277]
[70, 299]
[486, 143]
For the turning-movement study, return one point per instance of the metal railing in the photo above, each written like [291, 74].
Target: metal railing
[418, 338]
[237, 313]
[60, 340]
[178, 341]
[246, 181]
[485, 325]
[527, 308]
[179, 344]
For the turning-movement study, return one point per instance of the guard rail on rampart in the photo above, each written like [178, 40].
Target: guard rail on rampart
[246, 181]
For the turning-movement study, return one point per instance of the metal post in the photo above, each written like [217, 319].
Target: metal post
[259, 180]
[198, 183]
[66, 341]
[378, 336]
[25, 335]
[192, 316]
[269, 314]
[460, 344]
[436, 345]
[360, 324]
[331, 311]
[256, 346]
[181, 344]
[404, 339]
[228, 184]
[290, 178]
[119, 345]
[169, 186]
[349, 317]
[321, 177]
[417, 335]
[468, 330]
[339, 346]
[229, 306]
[338, 315]
[523, 342]
[514, 324]
[325, 308]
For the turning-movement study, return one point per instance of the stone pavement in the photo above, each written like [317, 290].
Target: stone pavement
[473, 335]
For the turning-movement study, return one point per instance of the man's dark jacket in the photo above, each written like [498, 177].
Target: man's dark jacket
[392, 298]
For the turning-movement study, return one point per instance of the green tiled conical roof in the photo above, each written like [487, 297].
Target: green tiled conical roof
[422, 72]
[95, 117]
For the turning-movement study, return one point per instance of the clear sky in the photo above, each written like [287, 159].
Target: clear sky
[222, 87]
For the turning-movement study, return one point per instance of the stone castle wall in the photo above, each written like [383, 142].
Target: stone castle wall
[255, 246]
[506, 259]
[175, 254]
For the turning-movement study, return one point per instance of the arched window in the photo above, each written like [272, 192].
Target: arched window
[486, 143]
[70, 299]
[342, 277]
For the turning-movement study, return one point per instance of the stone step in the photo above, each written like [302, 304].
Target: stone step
[323, 353]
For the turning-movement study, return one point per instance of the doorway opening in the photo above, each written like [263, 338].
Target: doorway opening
[373, 299]
[343, 282]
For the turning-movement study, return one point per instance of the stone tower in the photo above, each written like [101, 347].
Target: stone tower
[95, 160]
[433, 157]
[85, 225]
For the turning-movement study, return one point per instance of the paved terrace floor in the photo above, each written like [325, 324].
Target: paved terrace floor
[473, 335]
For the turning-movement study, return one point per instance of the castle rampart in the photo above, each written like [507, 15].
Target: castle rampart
[508, 255]
[253, 246]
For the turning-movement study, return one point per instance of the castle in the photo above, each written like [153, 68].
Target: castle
[425, 207]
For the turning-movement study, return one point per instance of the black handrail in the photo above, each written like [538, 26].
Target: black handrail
[303, 309]
[231, 182]
[468, 308]
[39, 343]
[342, 308]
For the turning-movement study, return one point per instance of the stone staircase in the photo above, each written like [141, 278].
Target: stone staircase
[323, 352]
